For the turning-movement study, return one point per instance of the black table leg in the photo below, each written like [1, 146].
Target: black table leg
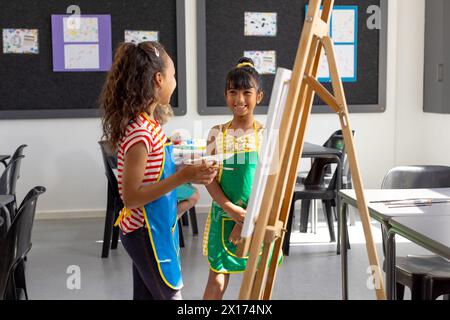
[390, 266]
[343, 247]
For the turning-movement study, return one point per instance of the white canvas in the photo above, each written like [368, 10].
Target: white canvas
[81, 56]
[269, 155]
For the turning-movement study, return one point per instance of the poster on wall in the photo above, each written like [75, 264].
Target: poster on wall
[265, 61]
[344, 33]
[263, 24]
[82, 43]
[20, 41]
[138, 36]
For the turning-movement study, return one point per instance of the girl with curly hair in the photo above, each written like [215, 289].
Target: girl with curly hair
[141, 78]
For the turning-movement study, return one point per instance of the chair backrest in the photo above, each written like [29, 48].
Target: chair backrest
[8, 179]
[110, 163]
[336, 141]
[18, 152]
[416, 177]
[319, 169]
[17, 242]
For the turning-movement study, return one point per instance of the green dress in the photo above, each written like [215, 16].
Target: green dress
[240, 154]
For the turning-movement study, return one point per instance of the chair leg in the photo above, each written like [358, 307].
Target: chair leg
[287, 236]
[193, 218]
[19, 278]
[304, 215]
[180, 234]
[185, 219]
[109, 222]
[329, 216]
[400, 291]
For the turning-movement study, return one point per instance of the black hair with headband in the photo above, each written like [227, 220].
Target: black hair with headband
[244, 76]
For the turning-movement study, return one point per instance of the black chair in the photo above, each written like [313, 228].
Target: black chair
[18, 152]
[3, 159]
[184, 221]
[15, 245]
[114, 201]
[428, 277]
[190, 215]
[321, 183]
[321, 175]
[313, 188]
[336, 141]
[8, 181]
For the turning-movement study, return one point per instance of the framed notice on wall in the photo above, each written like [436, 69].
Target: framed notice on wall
[269, 33]
[54, 65]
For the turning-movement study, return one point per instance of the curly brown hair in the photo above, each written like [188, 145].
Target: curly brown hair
[130, 85]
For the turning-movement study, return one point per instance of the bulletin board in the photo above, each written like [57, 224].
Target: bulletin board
[225, 34]
[31, 88]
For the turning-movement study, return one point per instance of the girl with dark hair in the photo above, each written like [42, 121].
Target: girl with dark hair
[238, 142]
[141, 78]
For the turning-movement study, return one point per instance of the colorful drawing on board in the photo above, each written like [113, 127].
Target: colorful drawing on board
[265, 61]
[21, 41]
[344, 33]
[81, 43]
[345, 59]
[80, 29]
[262, 24]
[81, 56]
[343, 26]
[138, 36]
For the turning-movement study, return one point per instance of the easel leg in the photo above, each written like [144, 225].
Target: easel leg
[306, 99]
[277, 181]
[349, 145]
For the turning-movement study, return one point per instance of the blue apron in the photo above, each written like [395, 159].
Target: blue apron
[162, 224]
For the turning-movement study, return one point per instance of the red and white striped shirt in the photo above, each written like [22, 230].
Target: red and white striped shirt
[150, 133]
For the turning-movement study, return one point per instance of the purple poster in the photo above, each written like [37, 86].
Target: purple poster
[81, 43]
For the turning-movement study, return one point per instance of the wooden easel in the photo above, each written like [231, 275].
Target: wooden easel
[270, 227]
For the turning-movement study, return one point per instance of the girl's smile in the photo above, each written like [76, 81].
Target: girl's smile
[242, 101]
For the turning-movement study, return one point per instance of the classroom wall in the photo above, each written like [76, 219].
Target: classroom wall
[63, 155]
[421, 138]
